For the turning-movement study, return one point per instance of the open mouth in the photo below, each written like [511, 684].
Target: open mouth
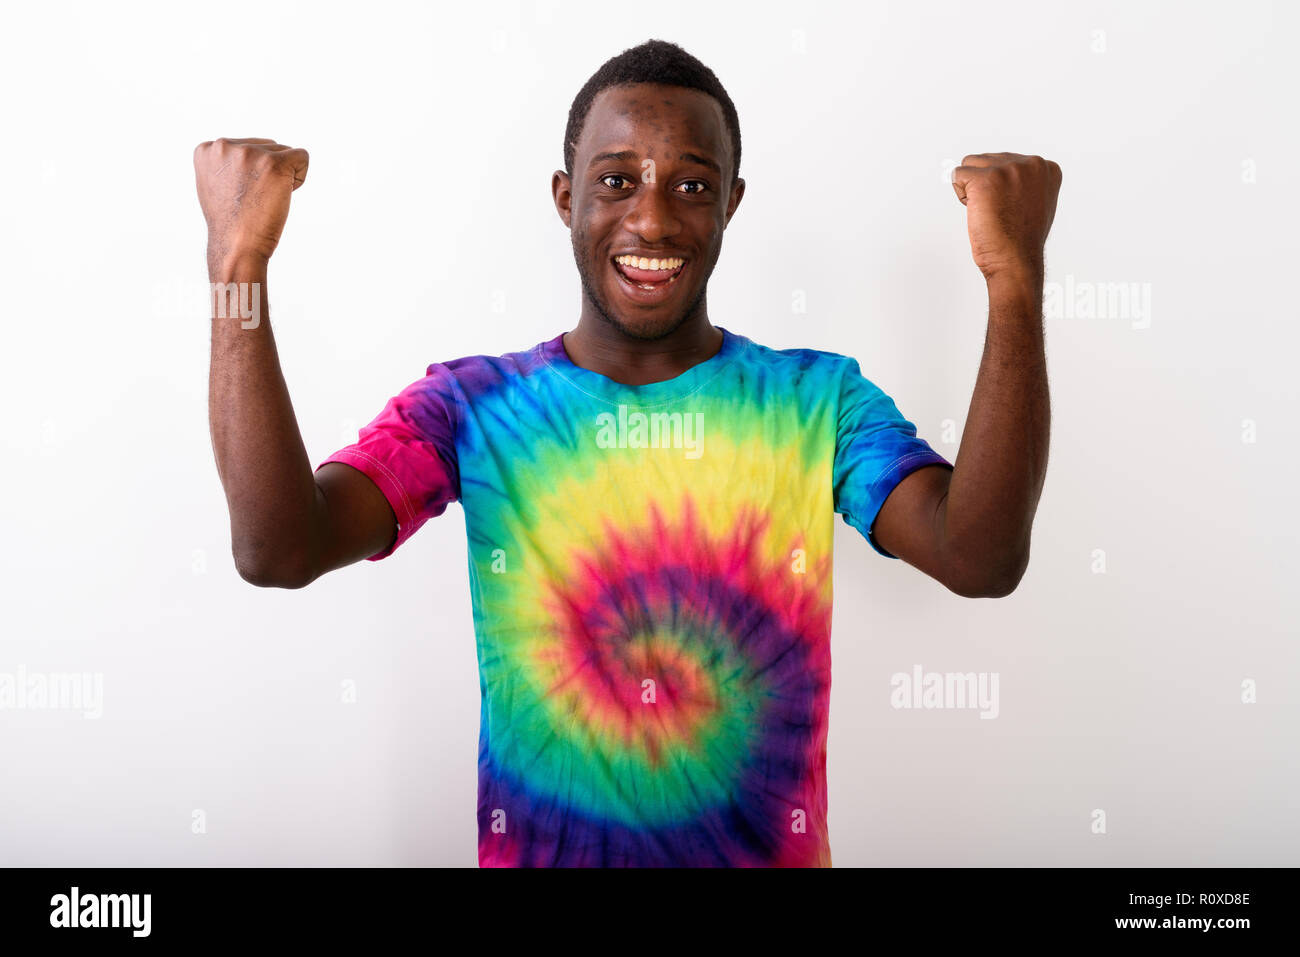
[648, 276]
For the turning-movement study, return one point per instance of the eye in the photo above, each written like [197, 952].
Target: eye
[695, 182]
[619, 181]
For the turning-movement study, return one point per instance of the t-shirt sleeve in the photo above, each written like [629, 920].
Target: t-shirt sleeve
[875, 449]
[409, 452]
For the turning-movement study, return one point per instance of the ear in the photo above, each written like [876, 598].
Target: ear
[737, 193]
[562, 193]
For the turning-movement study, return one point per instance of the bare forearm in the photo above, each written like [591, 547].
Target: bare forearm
[261, 459]
[988, 513]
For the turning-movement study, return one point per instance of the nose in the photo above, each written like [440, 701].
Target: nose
[651, 216]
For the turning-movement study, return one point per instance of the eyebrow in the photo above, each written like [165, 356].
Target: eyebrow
[621, 157]
[701, 161]
[624, 156]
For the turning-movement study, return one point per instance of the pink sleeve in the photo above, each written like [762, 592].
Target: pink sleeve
[409, 452]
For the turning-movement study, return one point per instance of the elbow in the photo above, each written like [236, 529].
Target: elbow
[995, 576]
[995, 588]
[264, 571]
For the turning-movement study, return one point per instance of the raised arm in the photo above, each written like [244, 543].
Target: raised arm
[970, 527]
[287, 526]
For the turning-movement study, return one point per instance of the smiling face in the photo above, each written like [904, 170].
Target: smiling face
[646, 206]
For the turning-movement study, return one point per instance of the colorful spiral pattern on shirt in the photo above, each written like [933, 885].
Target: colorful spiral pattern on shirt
[660, 664]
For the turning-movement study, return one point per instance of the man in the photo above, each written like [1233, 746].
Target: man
[648, 498]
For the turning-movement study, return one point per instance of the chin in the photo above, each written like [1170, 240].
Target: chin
[648, 328]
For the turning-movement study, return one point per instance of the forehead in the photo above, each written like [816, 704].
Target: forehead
[645, 116]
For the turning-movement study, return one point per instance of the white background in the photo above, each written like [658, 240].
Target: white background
[433, 134]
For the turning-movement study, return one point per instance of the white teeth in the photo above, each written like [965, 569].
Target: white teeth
[640, 262]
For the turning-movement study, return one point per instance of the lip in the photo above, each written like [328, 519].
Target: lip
[648, 297]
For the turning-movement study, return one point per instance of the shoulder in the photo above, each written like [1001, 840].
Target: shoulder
[472, 376]
[816, 368]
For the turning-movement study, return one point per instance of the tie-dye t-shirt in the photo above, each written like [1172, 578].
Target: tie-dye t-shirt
[650, 569]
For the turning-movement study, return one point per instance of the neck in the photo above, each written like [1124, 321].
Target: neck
[599, 346]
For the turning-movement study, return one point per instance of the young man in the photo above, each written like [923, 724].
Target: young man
[648, 498]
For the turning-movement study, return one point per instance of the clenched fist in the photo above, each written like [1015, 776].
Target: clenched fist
[244, 188]
[1010, 203]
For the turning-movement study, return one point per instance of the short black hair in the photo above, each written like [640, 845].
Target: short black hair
[655, 61]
